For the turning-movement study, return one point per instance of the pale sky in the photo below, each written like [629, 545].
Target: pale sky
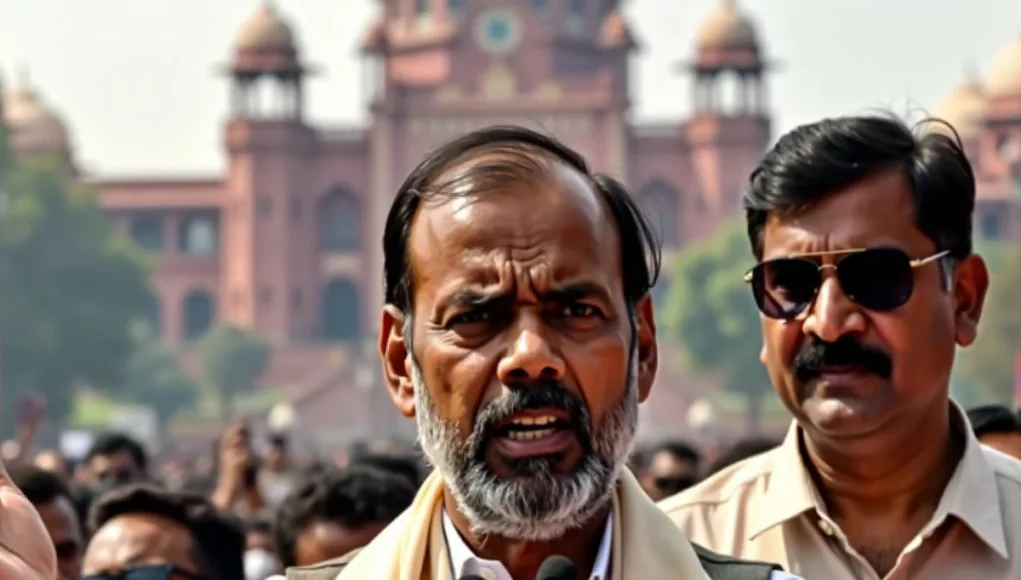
[137, 79]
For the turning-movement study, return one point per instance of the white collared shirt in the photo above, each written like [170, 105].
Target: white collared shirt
[466, 562]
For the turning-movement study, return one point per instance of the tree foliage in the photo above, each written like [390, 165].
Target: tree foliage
[152, 377]
[233, 358]
[709, 311]
[987, 367]
[70, 284]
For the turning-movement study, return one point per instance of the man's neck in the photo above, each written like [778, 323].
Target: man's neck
[909, 469]
[523, 558]
[894, 487]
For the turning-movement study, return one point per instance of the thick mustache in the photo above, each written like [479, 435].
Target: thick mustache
[818, 354]
[545, 395]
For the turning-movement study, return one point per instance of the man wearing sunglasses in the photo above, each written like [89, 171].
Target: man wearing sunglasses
[141, 532]
[867, 285]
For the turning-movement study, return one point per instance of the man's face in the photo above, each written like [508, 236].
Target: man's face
[524, 372]
[65, 531]
[1009, 443]
[134, 540]
[325, 540]
[669, 474]
[116, 468]
[846, 371]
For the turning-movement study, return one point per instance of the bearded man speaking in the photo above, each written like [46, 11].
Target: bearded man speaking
[518, 331]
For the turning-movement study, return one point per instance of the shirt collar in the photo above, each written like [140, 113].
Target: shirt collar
[465, 561]
[971, 495]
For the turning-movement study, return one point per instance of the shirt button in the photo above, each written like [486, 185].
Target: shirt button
[826, 527]
[488, 574]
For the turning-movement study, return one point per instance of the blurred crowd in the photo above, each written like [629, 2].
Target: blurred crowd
[236, 514]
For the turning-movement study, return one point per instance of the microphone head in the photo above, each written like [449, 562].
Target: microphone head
[557, 568]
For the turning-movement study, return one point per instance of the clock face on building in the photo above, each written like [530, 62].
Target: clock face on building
[498, 31]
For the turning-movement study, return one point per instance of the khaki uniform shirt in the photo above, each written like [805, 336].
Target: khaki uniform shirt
[767, 508]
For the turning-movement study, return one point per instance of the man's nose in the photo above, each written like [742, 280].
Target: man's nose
[532, 354]
[833, 314]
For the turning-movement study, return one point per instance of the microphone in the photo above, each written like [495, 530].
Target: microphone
[557, 568]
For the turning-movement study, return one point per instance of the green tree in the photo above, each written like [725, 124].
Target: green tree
[710, 312]
[69, 286]
[986, 368]
[152, 377]
[233, 359]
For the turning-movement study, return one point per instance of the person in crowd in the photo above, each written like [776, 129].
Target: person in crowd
[277, 476]
[673, 466]
[158, 534]
[114, 460]
[51, 497]
[336, 512]
[237, 479]
[998, 427]
[867, 283]
[260, 550]
[404, 466]
[740, 451]
[518, 331]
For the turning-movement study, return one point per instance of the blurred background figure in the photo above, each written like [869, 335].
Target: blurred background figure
[998, 427]
[51, 497]
[337, 511]
[672, 467]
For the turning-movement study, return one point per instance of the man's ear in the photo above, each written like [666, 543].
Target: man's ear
[396, 357]
[648, 351]
[970, 284]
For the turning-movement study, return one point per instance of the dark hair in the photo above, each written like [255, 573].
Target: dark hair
[740, 451]
[112, 443]
[678, 449]
[520, 154]
[993, 419]
[815, 160]
[39, 485]
[218, 539]
[406, 467]
[351, 497]
[258, 525]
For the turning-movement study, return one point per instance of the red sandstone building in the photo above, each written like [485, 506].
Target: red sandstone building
[287, 240]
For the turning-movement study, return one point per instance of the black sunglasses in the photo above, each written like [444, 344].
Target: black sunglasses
[879, 279]
[156, 572]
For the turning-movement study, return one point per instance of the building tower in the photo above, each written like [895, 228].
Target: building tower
[730, 119]
[34, 128]
[268, 258]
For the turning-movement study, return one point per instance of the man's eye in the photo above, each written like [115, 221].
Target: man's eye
[474, 317]
[580, 311]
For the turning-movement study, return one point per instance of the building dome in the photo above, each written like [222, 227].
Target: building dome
[615, 31]
[1005, 73]
[266, 30]
[34, 127]
[963, 107]
[726, 27]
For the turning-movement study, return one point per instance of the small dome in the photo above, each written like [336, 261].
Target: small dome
[615, 31]
[963, 107]
[1005, 73]
[266, 30]
[726, 27]
[34, 127]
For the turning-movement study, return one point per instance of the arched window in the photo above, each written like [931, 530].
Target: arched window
[198, 235]
[147, 231]
[199, 311]
[659, 202]
[341, 312]
[340, 221]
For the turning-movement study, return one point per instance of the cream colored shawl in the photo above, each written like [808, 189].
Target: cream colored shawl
[646, 544]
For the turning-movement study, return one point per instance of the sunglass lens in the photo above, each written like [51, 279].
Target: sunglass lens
[783, 288]
[878, 279]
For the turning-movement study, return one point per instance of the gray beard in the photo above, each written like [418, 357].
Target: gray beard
[543, 505]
